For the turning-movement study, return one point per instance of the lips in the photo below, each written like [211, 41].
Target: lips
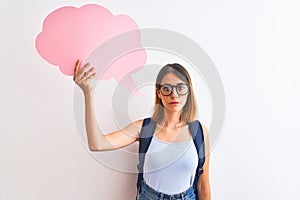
[175, 102]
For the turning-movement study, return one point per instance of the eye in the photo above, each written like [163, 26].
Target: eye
[166, 88]
[181, 87]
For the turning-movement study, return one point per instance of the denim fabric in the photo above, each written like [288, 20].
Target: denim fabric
[148, 193]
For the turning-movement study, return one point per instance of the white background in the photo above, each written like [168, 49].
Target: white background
[254, 45]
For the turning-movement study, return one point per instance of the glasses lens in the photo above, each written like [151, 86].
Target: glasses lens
[166, 89]
[182, 89]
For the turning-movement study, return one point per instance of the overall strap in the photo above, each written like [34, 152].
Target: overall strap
[146, 135]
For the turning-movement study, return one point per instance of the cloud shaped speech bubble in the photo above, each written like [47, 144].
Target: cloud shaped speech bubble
[71, 33]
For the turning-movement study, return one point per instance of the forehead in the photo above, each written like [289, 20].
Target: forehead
[171, 78]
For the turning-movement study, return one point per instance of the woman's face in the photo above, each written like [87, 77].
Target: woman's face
[172, 79]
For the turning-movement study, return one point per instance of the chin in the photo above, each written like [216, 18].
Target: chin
[174, 109]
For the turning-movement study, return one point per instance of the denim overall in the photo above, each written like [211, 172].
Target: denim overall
[148, 193]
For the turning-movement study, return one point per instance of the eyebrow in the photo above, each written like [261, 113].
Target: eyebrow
[171, 84]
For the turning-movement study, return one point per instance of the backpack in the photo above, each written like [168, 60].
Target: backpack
[146, 135]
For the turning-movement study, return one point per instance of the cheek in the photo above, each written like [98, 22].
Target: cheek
[163, 101]
[184, 99]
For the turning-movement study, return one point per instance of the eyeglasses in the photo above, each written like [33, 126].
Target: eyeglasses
[166, 89]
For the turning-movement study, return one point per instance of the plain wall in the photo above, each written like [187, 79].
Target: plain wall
[254, 45]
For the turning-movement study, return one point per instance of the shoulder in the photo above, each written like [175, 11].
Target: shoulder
[134, 127]
[205, 131]
[206, 140]
[204, 128]
[138, 123]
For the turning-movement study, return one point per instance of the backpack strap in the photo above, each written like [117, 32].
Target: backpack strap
[146, 135]
[198, 138]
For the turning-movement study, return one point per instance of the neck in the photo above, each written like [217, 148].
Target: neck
[172, 119]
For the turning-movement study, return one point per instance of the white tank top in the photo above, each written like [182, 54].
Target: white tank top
[170, 167]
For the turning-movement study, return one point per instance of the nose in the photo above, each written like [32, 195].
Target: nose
[174, 92]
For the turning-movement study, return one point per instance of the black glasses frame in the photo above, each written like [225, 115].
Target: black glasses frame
[174, 86]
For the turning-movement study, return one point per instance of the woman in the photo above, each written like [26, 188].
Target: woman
[175, 106]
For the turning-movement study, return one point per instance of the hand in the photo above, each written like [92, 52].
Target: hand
[82, 78]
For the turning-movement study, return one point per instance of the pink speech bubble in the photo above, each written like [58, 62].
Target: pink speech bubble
[71, 33]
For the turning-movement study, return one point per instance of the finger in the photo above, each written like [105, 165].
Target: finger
[76, 67]
[87, 78]
[92, 69]
[88, 74]
[91, 76]
[81, 72]
[76, 70]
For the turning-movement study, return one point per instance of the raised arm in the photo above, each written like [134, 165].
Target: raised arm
[96, 140]
[118, 139]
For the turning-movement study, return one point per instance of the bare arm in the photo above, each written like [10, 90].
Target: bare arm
[96, 140]
[203, 181]
[118, 139]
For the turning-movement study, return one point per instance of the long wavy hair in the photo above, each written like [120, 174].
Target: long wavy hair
[189, 111]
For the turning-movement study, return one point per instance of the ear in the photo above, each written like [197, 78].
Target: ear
[158, 93]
